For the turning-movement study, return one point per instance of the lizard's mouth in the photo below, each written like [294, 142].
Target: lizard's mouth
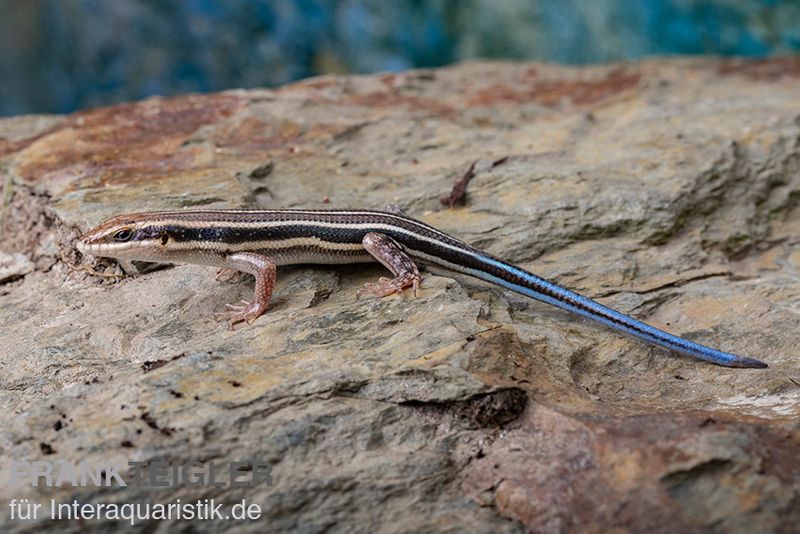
[83, 246]
[86, 245]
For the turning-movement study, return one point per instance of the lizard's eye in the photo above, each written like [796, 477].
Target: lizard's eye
[123, 235]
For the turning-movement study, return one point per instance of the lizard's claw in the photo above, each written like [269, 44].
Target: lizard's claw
[246, 313]
[389, 286]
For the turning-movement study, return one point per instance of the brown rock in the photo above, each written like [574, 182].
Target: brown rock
[667, 189]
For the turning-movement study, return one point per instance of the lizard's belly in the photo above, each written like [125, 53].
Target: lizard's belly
[313, 255]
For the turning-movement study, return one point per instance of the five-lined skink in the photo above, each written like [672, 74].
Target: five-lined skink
[257, 241]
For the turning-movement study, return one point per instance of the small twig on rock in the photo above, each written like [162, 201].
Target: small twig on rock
[499, 161]
[459, 190]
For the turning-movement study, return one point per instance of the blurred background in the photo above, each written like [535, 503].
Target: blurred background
[57, 56]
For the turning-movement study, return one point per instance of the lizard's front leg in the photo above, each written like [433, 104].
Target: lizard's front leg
[386, 250]
[264, 269]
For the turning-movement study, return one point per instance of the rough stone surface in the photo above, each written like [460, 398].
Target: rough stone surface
[668, 189]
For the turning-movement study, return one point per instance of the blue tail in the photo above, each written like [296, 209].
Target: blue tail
[528, 284]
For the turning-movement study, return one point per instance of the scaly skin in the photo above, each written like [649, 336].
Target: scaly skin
[257, 241]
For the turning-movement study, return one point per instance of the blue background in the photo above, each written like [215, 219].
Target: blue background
[62, 55]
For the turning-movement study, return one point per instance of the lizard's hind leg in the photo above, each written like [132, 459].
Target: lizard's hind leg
[386, 250]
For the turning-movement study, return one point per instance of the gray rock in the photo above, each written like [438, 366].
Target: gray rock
[668, 189]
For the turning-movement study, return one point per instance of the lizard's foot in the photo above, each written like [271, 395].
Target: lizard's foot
[390, 286]
[263, 268]
[246, 313]
[387, 251]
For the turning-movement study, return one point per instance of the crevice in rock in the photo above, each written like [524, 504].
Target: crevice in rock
[486, 410]
[678, 481]
[679, 282]
[694, 489]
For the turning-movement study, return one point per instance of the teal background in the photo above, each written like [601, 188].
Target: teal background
[62, 55]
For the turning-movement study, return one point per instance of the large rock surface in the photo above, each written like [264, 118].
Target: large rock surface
[668, 189]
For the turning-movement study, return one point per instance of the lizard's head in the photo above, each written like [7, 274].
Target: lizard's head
[133, 236]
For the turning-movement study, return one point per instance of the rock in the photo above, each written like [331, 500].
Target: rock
[14, 266]
[667, 189]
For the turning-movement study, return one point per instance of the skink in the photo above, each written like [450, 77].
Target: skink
[257, 241]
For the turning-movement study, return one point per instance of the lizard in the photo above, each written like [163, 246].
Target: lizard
[257, 241]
